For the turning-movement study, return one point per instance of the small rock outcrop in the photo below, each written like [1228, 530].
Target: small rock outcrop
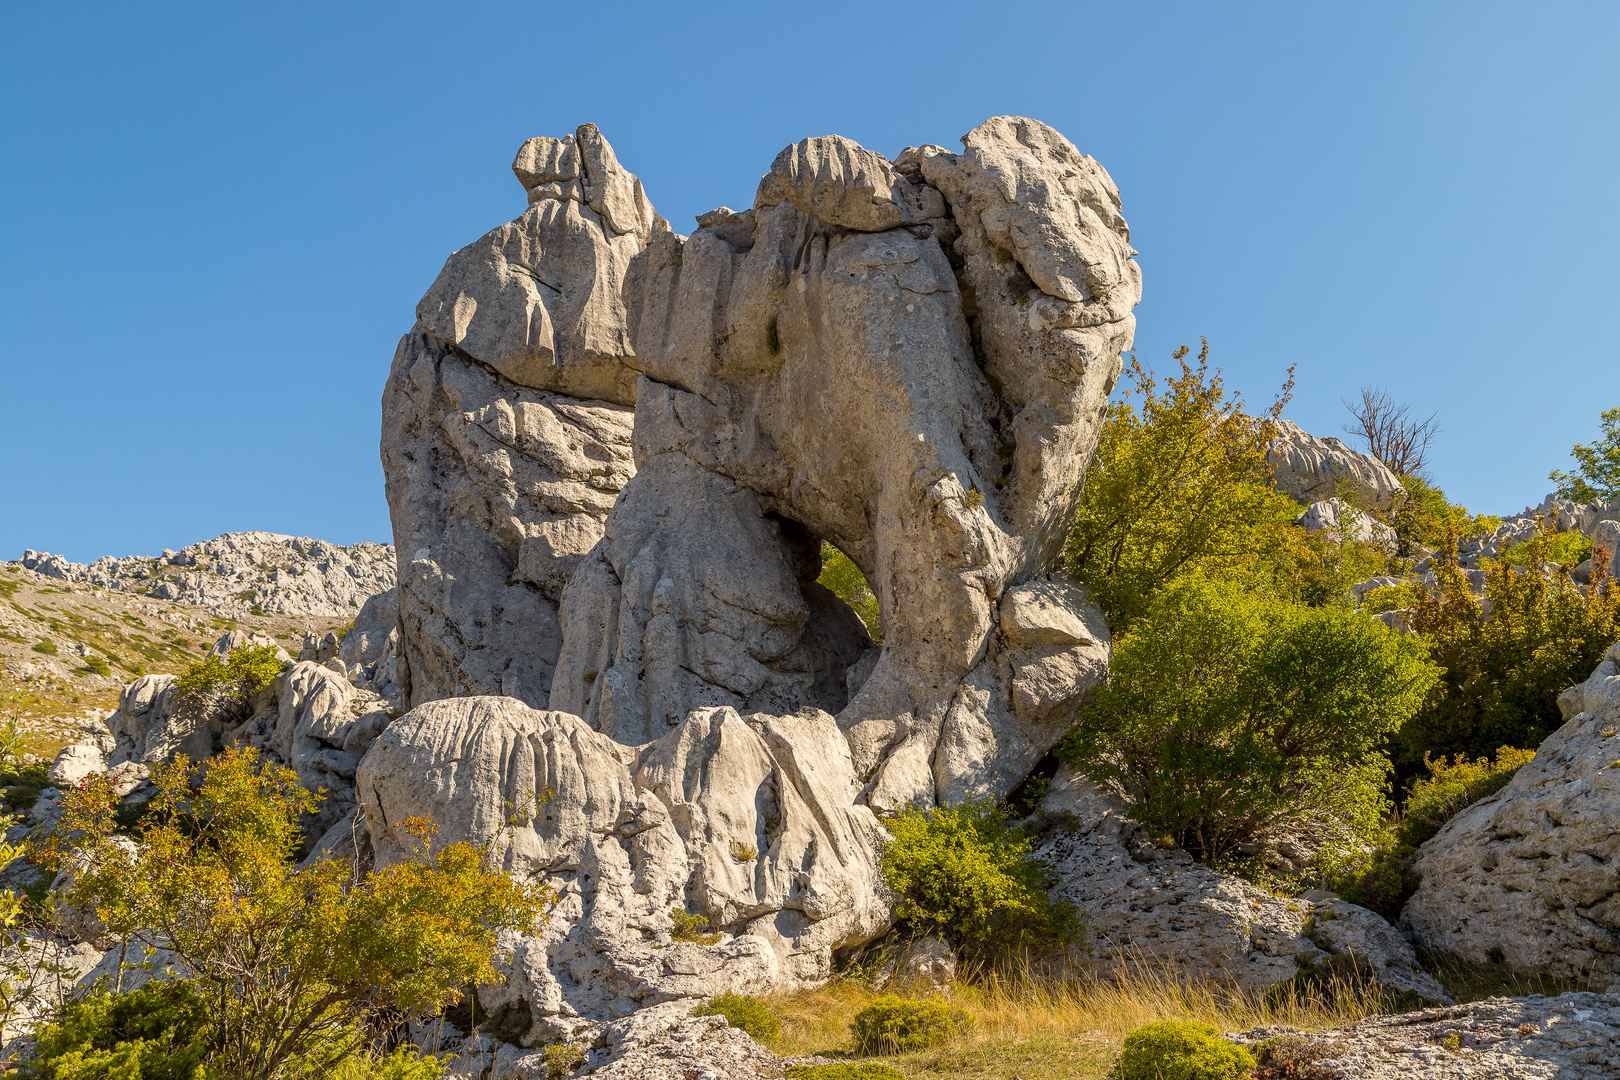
[748, 822]
[1527, 876]
[1157, 911]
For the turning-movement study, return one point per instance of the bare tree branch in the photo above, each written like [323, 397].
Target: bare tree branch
[1390, 433]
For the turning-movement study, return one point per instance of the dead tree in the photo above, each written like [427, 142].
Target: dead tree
[1389, 431]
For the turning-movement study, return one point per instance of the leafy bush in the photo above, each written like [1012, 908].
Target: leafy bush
[1426, 518]
[746, 1014]
[157, 1032]
[1175, 487]
[1229, 714]
[896, 1025]
[1181, 1050]
[1597, 465]
[95, 665]
[227, 684]
[291, 960]
[1390, 597]
[1503, 674]
[840, 574]
[962, 873]
[690, 927]
[46, 646]
[562, 1059]
[865, 1070]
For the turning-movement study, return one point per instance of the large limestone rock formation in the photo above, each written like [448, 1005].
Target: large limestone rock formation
[1527, 876]
[613, 454]
[1309, 469]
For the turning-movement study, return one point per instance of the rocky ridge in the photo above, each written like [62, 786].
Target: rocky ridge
[238, 574]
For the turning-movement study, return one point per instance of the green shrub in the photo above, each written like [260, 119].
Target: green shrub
[895, 1025]
[962, 873]
[46, 646]
[1390, 597]
[1178, 484]
[1597, 465]
[746, 1014]
[1426, 518]
[1178, 1050]
[690, 927]
[1451, 787]
[866, 1070]
[95, 665]
[562, 1059]
[840, 574]
[1566, 549]
[227, 684]
[1503, 674]
[1229, 715]
[157, 1032]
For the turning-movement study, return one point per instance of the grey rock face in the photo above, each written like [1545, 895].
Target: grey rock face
[1569, 1037]
[1161, 912]
[1527, 875]
[1309, 469]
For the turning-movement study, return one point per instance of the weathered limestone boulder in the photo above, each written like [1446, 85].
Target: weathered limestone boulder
[1309, 469]
[363, 645]
[749, 822]
[1160, 912]
[1527, 876]
[74, 763]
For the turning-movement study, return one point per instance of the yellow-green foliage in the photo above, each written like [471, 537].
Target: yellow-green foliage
[291, 960]
[1426, 517]
[1453, 786]
[1377, 878]
[1503, 674]
[846, 581]
[1597, 465]
[213, 682]
[1178, 484]
[1567, 549]
[1229, 714]
[747, 1014]
[690, 927]
[157, 1032]
[865, 1070]
[562, 1059]
[962, 873]
[895, 1025]
[1390, 597]
[1172, 1050]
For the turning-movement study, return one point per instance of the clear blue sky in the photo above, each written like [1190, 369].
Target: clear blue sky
[216, 219]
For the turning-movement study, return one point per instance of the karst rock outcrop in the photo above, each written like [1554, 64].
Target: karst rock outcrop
[1527, 876]
[612, 456]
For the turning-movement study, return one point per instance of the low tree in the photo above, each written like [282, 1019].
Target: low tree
[1390, 432]
[1597, 465]
[1231, 716]
[294, 963]
[1179, 483]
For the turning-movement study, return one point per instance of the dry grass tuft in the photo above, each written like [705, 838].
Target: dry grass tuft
[1039, 1028]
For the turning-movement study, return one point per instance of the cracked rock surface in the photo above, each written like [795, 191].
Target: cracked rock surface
[1528, 876]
